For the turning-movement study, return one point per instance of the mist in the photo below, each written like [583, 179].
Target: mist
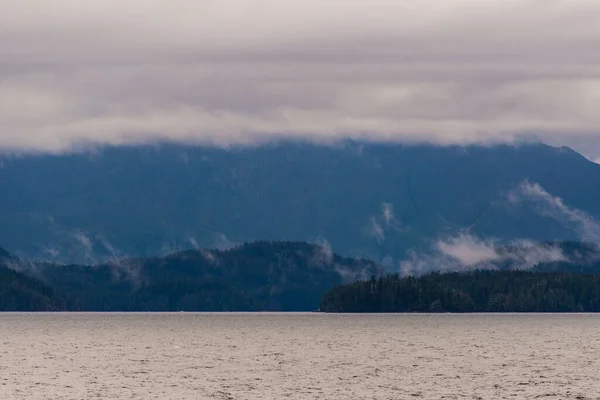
[584, 225]
[463, 251]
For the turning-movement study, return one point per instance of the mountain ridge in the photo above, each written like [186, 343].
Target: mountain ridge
[370, 200]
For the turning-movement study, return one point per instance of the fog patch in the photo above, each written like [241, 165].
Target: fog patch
[323, 254]
[208, 256]
[387, 212]
[86, 244]
[466, 252]
[126, 269]
[375, 230]
[194, 243]
[548, 205]
[383, 223]
[467, 249]
[223, 243]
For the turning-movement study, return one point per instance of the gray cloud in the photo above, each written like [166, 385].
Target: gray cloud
[457, 71]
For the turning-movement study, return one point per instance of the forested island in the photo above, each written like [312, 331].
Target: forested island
[298, 276]
[476, 291]
[258, 276]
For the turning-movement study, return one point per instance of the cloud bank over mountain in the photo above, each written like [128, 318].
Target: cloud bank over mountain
[235, 71]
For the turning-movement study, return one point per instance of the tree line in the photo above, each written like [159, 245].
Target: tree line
[476, 291]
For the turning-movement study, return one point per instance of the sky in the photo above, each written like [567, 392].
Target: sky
[233, 71]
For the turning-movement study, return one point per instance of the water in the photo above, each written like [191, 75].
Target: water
[298, 356]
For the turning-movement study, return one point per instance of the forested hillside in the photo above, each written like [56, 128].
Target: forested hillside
[295, 276]
[19, 292]
[270, 276]
[477, 291]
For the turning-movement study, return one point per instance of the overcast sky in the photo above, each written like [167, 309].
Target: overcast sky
[447, 71]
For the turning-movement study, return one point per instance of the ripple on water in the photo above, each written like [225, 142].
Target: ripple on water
[298, 356]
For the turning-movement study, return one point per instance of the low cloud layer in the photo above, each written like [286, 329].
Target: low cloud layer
[236, 71]
[466, 252]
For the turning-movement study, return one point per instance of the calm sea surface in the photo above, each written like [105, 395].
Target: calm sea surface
[299, 356]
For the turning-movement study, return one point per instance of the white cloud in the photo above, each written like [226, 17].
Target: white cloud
[375, 230]
[447, 71]
[387, 212]
[585, 225]
[466, 252]
[380, 225]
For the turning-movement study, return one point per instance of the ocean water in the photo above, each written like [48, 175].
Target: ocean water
[298, 356]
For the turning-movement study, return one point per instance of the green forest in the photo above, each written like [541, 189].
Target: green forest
[19, 292]
[476, 291]
[258, 276]
[295, 276]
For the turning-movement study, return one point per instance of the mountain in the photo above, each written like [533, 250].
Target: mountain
[370, 200]
[270, 276]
